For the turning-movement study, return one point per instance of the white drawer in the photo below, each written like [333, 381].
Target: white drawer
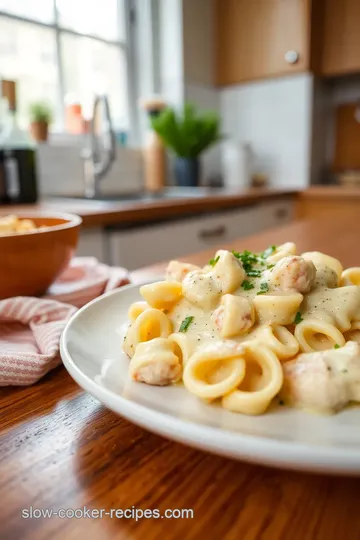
[143, 246]
[140, 247]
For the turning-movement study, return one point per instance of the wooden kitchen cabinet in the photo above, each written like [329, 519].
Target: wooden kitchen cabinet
[340, 31]
[256, 38]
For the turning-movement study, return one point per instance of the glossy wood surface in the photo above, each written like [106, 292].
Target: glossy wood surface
[60, 448]
[340, 37]
[347, 138]
[102, 213]
[253, 38]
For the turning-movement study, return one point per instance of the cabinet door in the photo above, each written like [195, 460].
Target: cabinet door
[256, 38]
[341, 37]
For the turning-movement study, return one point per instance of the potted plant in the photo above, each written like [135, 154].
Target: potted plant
[187, 134]
[40, 118]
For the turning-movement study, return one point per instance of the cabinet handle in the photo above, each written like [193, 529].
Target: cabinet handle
[291, 57]
[210, 234]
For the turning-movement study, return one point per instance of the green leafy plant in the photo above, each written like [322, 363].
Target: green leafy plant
[187, 134]
[40, 111]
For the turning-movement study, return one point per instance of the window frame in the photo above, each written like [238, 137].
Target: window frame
[126, 45]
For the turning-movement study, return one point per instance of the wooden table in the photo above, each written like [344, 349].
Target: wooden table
[60, 448]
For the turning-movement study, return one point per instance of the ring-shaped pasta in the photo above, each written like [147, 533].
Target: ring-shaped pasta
[150, 324]
[256, 402]
[204, 361]
[308, 329]
[321, 260]
[279, 339]
[182, 346]
[277, 307]
[354, 333]
[136, 309]
[350, 276]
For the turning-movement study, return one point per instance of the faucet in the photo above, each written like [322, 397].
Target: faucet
[95, 167]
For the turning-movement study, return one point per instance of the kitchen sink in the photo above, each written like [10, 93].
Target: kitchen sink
[167, 193]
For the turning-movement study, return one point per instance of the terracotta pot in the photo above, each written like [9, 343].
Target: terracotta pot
[39, 130]
[31, 261]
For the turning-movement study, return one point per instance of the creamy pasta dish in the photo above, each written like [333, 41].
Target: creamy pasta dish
[13, 225]
[252, 329]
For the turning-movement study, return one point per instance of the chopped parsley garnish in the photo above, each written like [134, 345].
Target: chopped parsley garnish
[264, 288]
[270, 266]
[298, 318]
[253, 273]
[269, 251]
[212, 262]
[184, 326]
[344, 370]
[336, 346]
[247, 259]
[246, 285]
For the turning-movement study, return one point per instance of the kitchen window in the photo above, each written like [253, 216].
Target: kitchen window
[66, 51]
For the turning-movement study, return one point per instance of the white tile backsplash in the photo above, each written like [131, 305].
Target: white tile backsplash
[274, 116]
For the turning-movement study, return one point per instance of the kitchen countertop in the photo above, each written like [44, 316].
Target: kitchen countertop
[62, 449]
[331, 192]
[102, 213]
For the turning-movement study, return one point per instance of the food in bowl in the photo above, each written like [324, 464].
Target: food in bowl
[12, 224]
[252, 329]
[32, 258]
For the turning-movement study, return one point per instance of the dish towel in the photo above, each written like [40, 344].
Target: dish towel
[30, 328]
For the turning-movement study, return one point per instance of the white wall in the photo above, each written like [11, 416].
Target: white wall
[274, 116]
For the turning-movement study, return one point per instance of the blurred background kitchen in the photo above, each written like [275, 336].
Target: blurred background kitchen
[113, 98]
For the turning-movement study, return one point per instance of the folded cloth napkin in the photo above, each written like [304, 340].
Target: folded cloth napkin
[30, 328]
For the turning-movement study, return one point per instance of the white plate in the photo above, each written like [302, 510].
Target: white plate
[91, 352]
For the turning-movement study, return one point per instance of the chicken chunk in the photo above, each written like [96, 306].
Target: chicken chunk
[293, 274]
[176, 270]
[324, 381]
[155, 363]
[234, 317]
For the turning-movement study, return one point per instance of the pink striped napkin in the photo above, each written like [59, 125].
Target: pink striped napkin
[30, 328]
